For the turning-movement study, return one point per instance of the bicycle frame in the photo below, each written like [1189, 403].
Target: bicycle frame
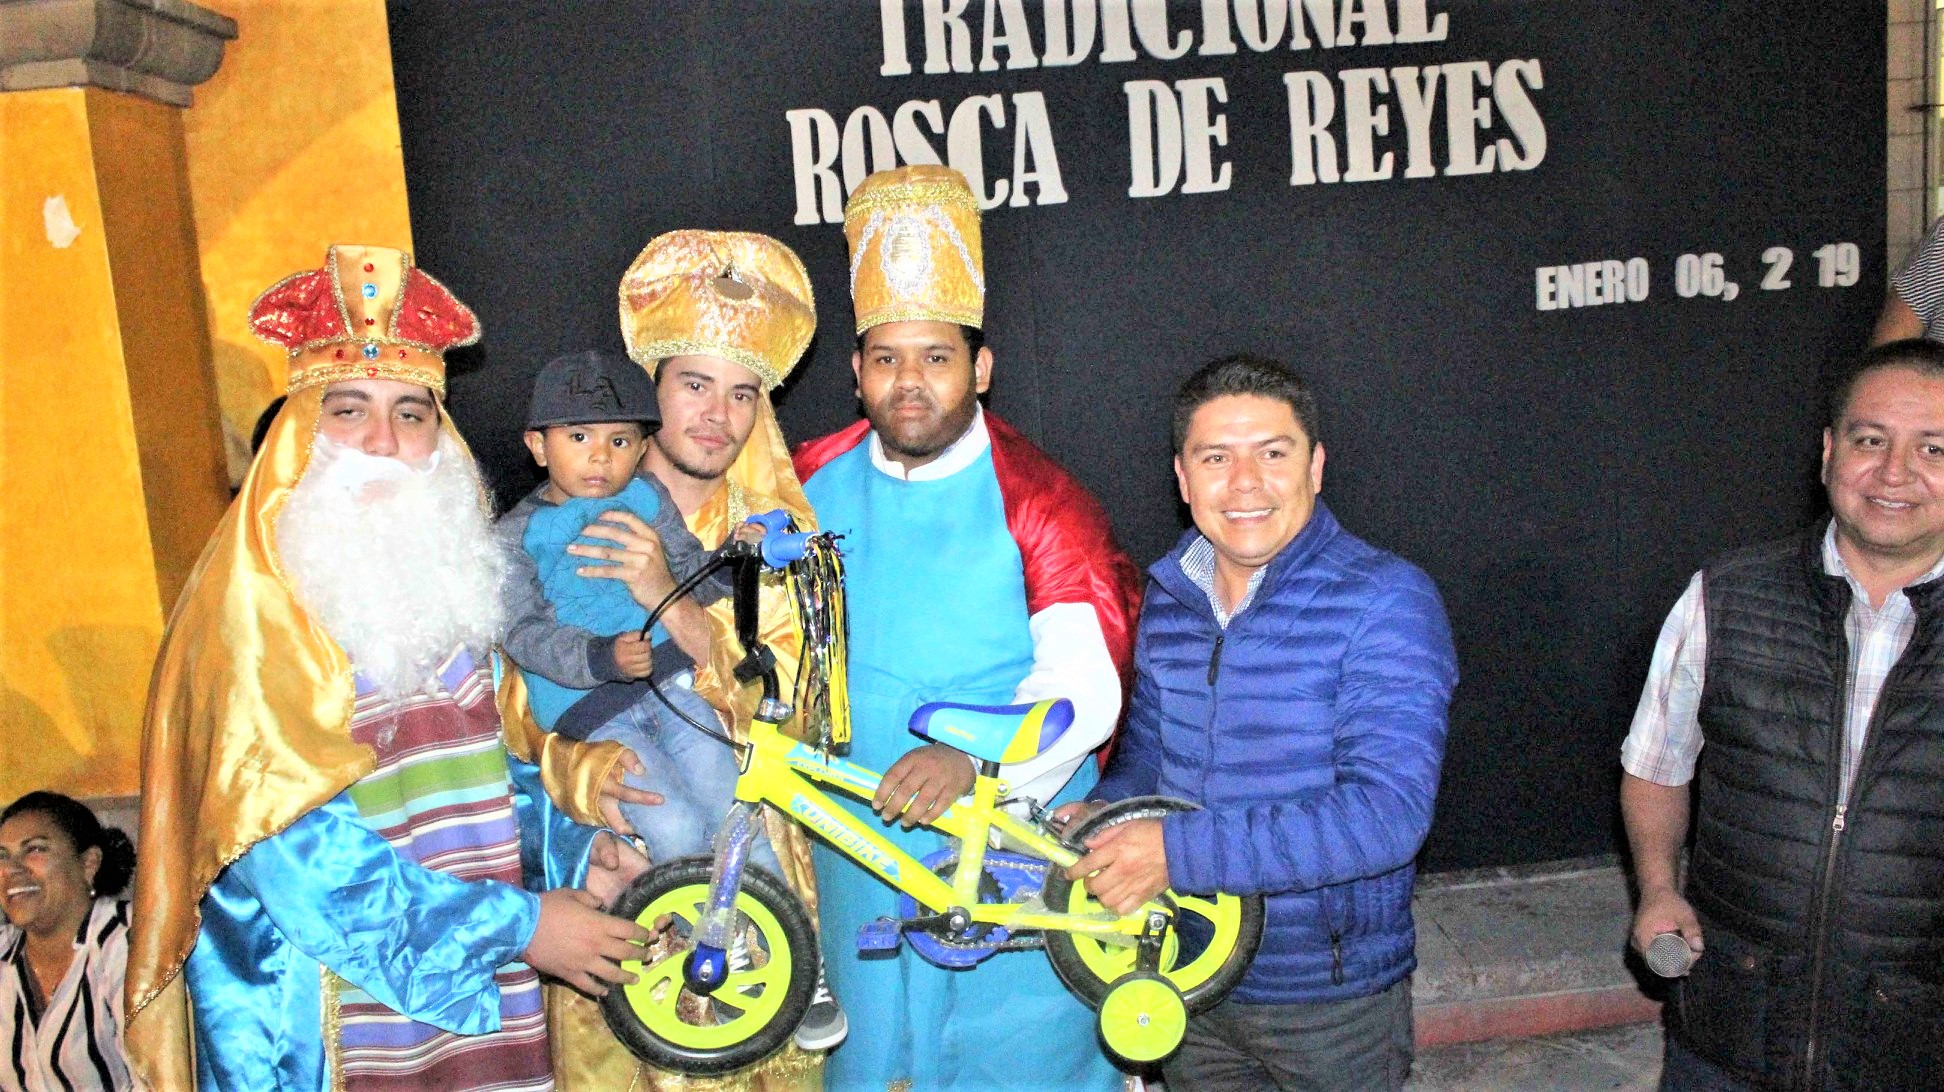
[783, 772]
[1143, 992]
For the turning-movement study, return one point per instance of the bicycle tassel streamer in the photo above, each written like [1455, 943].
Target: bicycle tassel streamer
[822, 696]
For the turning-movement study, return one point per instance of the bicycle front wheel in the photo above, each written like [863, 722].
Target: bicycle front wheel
[757, 1007]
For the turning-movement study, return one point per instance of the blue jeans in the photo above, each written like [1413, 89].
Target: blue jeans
[693, 771]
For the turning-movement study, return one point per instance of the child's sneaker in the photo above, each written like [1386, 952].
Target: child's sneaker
[824, 1024]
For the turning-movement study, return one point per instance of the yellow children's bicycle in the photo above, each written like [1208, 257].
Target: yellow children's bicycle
[734, 959]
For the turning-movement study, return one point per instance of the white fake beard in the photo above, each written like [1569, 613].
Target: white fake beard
[396, 562]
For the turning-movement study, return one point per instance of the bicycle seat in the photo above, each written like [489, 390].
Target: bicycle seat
[995, 733]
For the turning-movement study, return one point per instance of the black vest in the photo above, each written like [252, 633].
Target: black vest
[1824, 926]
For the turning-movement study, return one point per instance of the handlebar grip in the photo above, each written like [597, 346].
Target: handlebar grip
[775, 521]
[780, 549]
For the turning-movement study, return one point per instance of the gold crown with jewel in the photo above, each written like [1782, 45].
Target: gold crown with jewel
[915, 251]
[736, 295]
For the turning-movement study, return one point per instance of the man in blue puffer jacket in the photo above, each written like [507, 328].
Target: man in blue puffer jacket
[1292, 680]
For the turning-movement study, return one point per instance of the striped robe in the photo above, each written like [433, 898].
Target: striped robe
[401, 900]
[439, 797]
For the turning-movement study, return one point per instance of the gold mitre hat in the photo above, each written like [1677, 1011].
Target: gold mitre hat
[368, 314]
[737, 295]
[915, 251]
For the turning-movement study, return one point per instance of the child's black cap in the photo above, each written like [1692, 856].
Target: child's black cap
[592, 386]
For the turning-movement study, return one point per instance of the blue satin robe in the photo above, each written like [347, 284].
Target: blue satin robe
[422, 942]
[938, 612]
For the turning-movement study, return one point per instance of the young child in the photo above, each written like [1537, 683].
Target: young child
[576, 637]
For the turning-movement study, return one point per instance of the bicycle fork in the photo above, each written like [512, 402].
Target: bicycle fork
[708, 964]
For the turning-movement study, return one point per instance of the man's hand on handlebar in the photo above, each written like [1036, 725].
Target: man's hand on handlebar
[919, 787]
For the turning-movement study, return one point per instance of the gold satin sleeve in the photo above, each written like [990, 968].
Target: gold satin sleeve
[160, 1054]
[572, 772]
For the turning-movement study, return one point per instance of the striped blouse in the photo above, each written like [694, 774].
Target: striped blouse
[74, 1042]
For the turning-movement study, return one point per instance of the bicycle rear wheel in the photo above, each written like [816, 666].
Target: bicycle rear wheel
[1206, 952]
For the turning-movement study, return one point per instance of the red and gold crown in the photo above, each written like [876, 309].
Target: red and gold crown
[368, 314]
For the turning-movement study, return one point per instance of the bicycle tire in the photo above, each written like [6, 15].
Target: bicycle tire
[663, 1023]
[1089, 969]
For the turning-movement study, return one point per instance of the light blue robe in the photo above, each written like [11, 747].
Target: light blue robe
[938, 612]
[329, 890]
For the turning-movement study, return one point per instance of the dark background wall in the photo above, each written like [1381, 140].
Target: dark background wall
[1559, 472]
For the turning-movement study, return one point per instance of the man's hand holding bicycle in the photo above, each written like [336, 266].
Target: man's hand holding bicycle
[919, 787]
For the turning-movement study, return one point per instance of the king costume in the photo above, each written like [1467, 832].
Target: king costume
[744, 298]
[331, 893]
[988, 576]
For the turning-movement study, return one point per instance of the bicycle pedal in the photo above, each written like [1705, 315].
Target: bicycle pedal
[882, 935]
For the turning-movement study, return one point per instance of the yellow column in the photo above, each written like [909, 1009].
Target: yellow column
[133, 236]
[110, 457]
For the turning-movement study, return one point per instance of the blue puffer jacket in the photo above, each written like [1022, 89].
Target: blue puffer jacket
[1311, 733]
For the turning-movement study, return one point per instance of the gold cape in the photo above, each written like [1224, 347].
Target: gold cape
[247, 730]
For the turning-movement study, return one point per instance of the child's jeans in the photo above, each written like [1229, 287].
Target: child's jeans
[694, 772]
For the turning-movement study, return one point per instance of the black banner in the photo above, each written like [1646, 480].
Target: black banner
[1567, 276]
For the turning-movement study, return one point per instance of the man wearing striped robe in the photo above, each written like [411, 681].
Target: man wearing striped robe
[332, 803]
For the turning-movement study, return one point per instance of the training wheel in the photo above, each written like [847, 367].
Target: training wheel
[1143, 1018]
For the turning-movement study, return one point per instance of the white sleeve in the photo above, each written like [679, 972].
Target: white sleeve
[1665, 738]
[1070, 660]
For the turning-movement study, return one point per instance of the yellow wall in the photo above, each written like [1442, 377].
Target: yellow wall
[293, 146]
[80, 603]
[128, 379]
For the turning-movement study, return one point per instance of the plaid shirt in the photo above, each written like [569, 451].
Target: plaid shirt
[1198, 564]
[1666, 738]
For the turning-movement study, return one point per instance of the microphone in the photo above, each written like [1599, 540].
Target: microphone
[1669, 956]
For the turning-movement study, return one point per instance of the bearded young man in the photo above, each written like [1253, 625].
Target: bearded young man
[332, 878]
[978, 571]
[719, 319]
